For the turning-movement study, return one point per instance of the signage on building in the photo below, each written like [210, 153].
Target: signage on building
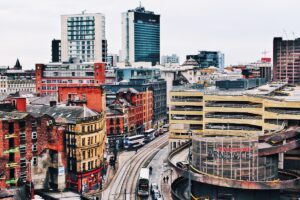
[243, 153]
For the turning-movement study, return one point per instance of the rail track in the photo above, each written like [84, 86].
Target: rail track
[123, 185]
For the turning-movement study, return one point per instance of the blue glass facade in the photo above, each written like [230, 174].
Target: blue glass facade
[147, 40]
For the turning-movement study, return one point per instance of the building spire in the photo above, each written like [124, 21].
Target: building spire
[18, 65]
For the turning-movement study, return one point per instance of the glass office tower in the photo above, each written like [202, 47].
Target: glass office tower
[140, 36]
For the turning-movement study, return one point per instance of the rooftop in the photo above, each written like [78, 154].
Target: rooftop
[62, 113]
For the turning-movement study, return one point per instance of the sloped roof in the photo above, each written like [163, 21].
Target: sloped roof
[62, 113]
[18, 65]
[131, 90]
[190, 62]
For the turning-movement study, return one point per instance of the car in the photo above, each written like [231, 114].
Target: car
[154, 187]
[183, 165]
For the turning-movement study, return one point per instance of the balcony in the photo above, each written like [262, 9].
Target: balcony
[7, 136]
[12, 165]
[12, 150]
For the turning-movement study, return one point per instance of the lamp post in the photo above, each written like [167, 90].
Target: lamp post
[189, 161]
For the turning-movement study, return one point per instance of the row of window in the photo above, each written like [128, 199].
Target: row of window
[89, 154]
[89, 140]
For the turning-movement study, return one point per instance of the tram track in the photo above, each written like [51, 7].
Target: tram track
[125, 180]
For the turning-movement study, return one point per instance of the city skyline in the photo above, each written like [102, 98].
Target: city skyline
[231, 27]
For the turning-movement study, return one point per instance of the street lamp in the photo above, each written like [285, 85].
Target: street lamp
[189, 161]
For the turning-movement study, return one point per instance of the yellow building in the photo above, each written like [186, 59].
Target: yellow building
[232, 112]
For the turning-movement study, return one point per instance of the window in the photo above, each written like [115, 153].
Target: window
[34, 147]
[34, 161]
[22, 148]
[34, 135]
[83, 141]
[118, 121]
[83, 166]
[89, 153]
[83, 155]
[111, 122]
[89, 140]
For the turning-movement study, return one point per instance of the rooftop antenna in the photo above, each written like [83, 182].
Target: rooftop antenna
[84, 11]
[140, 3]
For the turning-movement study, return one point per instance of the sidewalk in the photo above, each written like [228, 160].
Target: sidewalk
[166, 190]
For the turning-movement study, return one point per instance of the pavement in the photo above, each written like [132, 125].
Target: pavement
[160, 169]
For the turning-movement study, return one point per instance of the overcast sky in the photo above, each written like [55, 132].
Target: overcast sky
[242, 29]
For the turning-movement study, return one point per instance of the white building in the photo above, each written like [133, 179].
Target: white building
[173, 59]
[13, 86]
[83, 36]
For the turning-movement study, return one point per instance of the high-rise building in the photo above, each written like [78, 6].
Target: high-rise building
[56, 50]
[83, 36]
[140, 36]
[207, 59]
[286, 60]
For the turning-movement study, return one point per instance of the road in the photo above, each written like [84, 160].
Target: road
[123, 185]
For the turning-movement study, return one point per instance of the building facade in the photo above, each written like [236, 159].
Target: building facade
[140, 36]
[83, 36]
[49, 77]
[173, 59]
[85, 136]
[56, 50]
[92, 97]
[207, 59]
[286, 64]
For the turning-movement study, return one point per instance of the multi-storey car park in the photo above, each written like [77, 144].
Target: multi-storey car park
[245, 142]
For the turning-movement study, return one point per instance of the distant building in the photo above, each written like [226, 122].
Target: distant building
[56, 50]
[83, 36]
[17, 80]
[286, 56]
[140, 36]
[207, 59]
[261, 69]
[173, 59]
[128, 73]
[74, 73]
[112, 60]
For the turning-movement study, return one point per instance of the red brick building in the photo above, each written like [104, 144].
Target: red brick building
[141, 111]
[31, 149]
[49, 77]
[91, 96]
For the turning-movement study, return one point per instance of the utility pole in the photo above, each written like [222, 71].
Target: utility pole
[189, 161]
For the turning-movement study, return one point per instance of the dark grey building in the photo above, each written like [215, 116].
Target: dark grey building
[56, 50]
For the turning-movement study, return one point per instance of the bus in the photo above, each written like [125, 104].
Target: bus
[143, 182]
[149, 135]
[134, 142]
